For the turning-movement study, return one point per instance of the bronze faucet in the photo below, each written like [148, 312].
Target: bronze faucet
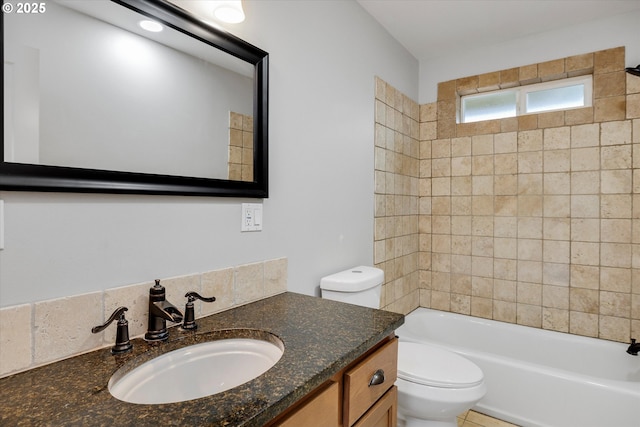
[160, 310]
[122, 334]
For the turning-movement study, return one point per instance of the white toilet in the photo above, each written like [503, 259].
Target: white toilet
[434, 385]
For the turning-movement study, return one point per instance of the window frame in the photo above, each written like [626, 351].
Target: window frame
[521, 96]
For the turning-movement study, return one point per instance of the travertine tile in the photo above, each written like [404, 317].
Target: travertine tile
[552, 119]
[615, 304]
[585, 253]
[578, 116]
[616, 230]
[583, 276]
[552, 70]
[506, 163]
[585, 206]
[530, 162]
[15, 338]
[217, 283]
[633, 106]
[505, 269]
[579, 63]
[529, 315]
[556, 228]
[506, 142]
[275, 276]
[177, 287]
[609, 84]
[482, 145]
[557, 183]
[615, 206]
[461, 146]
[609, 109]
[585, 182]
[529, 271]
[587, 135]
[584, 300]
[555, 319]
[248, 283]
[62, 327]
[609, 60]
[557, 161]
[615, 255]
[585, 230]
[529, 205]
[136, 299]
[530, 184]
[482, 307]
[489, 81]
[529, 228]
[504, 311]
[616, 133]
[530, 140]
[585, 159]
[528, 74]
[616, 157]
[556, 297]
[614, 328]
[529, 293]
[616, 181]
[581, 323]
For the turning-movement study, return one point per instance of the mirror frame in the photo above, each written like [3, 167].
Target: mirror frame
[30, 177]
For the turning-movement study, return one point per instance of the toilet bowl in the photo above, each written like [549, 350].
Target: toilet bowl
[434, 384]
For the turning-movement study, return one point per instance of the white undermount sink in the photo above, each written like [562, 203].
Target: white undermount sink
[196, 371]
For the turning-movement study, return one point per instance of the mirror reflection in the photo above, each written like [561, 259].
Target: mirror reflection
[87, 87]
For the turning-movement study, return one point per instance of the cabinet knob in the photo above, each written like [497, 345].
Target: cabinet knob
[377, 378]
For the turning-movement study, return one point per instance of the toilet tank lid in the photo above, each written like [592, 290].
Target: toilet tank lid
[353, 280]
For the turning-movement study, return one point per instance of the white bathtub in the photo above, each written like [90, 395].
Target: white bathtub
[536, 377]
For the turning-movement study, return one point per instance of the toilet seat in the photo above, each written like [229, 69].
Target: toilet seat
[433, 366]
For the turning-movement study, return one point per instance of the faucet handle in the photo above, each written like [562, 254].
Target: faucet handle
[122, 334]
[189, 323]
[192, 296]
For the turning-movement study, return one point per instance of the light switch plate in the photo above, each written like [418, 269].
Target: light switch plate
[251, 217]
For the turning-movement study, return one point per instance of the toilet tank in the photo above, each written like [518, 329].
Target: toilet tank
[359, 285]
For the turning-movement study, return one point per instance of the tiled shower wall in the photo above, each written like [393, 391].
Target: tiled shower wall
[397, 170]
[533, 220]
[240, 164]
[45, 331]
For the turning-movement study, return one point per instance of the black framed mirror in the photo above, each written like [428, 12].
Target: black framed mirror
[132, 120]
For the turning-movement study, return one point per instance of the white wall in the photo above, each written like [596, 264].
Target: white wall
[620, 30]
[323, 59]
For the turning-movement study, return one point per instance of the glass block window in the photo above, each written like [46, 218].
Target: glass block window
[557, 95]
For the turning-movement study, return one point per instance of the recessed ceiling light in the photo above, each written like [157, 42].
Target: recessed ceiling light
[152, 26]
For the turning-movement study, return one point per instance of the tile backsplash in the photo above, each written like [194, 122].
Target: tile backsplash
[45, 331]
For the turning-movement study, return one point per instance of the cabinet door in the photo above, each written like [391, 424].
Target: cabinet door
[360, 392]
[383, 413]
[322, 410]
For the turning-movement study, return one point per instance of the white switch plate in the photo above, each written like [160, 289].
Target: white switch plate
[251, 217]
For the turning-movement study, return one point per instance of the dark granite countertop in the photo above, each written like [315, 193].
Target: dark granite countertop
[320, 338]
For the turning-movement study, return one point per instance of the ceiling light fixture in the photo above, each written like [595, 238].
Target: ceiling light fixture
[152, 26]
[229, 11]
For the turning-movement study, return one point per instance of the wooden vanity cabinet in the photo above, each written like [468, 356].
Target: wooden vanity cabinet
[348, 399]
